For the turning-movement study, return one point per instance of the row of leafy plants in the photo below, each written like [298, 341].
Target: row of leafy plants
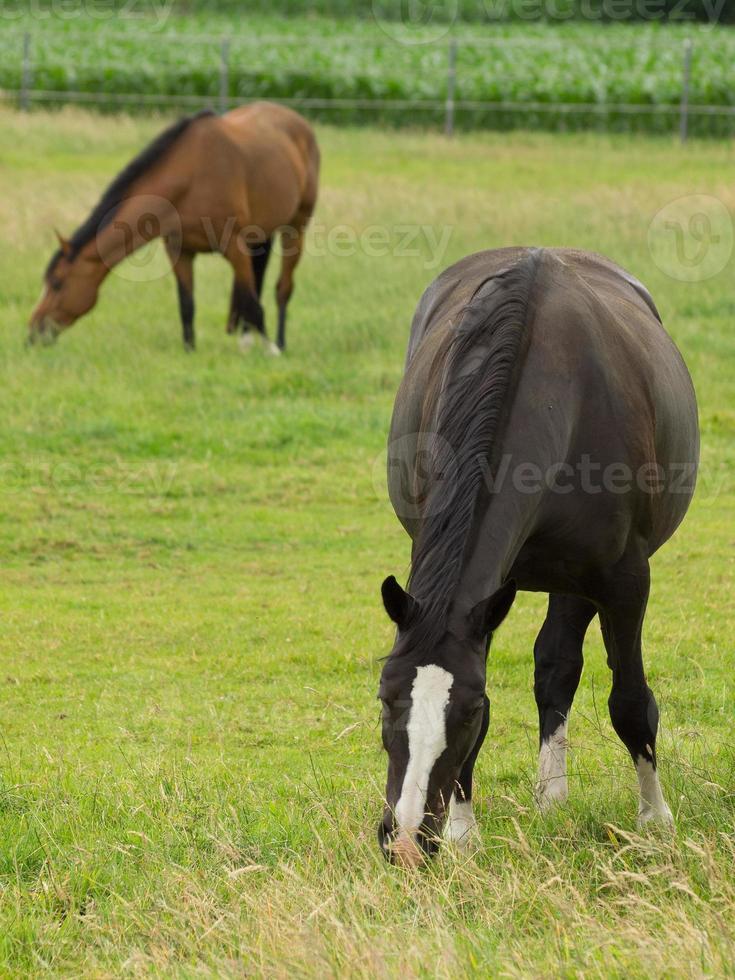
[616, 77]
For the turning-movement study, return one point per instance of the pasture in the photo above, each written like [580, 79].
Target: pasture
[192, 550]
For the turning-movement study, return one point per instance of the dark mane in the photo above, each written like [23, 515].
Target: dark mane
[478, 379]
[105, 209]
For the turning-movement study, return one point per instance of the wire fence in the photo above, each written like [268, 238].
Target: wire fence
[211, 73]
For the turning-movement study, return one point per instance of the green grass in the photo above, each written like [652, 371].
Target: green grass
[303, 58]
[190, 763]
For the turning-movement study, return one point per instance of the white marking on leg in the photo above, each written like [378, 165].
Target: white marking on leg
[427, 739]
[461, 828]
[552, 769]
[652, 805]
[246, 341]
[269, 347]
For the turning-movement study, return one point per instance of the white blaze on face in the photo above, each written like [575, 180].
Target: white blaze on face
[427, 739]
[652, 805]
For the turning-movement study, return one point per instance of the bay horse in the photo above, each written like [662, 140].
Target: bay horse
[544, 438]
[208, 183]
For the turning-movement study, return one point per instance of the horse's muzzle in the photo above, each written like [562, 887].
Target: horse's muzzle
[404, 849]
[43, 333]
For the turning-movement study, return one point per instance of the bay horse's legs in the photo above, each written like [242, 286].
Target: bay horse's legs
[633, 708]
[245, 306]
[461, 826]
[292, 245]
[183, 266]
[558, 657]
[260, 255]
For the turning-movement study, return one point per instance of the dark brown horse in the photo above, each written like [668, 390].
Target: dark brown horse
[209, 183]
[544, 438]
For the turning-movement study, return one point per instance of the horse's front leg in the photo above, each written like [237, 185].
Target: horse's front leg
[182, 264]
[461, 826]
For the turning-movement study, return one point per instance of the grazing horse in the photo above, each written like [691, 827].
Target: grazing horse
[544, 438]
[209, 183]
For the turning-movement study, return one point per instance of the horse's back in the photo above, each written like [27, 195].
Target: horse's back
[598, 361]
[258, 163]
[588, 305]
[453, 289]
[265, 131]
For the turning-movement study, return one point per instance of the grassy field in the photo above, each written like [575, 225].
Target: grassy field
[145, 60]
[192, 548]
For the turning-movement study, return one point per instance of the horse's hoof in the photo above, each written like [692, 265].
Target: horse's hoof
[246, 342]
[548, 796]
[462, 832]
[655, 817]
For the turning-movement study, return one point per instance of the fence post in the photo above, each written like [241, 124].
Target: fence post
[224, 74]
[25, 81]
[451, 83]
[686, 74]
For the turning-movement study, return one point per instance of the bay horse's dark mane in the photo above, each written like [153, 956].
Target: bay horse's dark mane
[479, 377]
[104, 211]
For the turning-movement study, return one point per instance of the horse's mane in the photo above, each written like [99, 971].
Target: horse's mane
[105, 209]
[478, 379]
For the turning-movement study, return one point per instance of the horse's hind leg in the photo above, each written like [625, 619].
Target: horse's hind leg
[633, 708]
[558, 658]
[461, 826]
[245, 308]
[260, 254]
[292, 245]
[183, 266]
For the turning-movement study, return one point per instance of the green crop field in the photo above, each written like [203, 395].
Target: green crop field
[192, 548]
[310, 58]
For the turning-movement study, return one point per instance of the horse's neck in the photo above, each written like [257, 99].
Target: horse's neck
[139, 219]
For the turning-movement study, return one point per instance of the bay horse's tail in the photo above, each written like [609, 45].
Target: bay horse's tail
[482, 362]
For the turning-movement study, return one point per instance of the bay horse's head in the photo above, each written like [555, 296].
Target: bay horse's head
[70, 286]
[434, 713]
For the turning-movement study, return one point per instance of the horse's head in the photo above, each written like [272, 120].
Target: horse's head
[70, 286]
[433, 702]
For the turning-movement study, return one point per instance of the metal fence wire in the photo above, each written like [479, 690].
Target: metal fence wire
[445, 109]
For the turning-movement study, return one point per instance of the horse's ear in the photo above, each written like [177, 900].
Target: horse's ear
[64, 244]
[489, 613]
[399, 605]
